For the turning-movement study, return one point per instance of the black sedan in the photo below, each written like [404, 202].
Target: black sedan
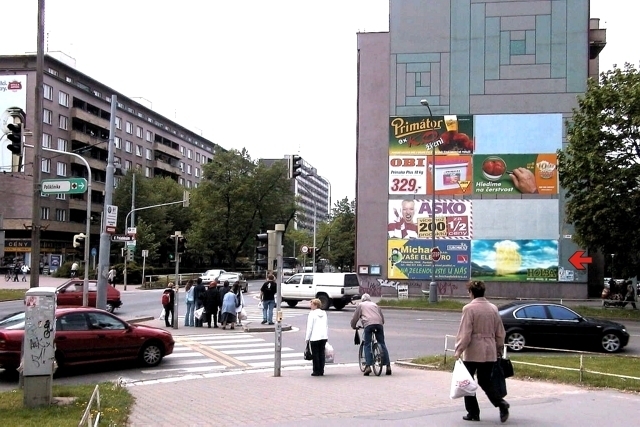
[550, 325]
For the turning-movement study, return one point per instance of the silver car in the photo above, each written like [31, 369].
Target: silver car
[210, 275]
[233, 278]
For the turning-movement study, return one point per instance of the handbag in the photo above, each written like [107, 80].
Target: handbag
[462, 383]
[505, 364]
[497, 379]
[198, 313]
[307, 352]
[356, 338]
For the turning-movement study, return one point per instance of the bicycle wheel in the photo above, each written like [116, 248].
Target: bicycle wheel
[361, 359]
[377, 359]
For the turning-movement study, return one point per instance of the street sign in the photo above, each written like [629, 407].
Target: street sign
[435, 254]
[145, 253]
[131, 231]
[64, 186]
[131, 244]
[304, 249]
[112, 219]
[94, 252]
[121, 238]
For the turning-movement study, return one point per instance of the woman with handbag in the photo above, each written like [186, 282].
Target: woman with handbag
[317, 336]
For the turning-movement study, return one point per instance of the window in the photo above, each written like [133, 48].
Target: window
[61, 215]
[62, 144]
[72, 321]
[198, 157]
[149, 154]
[46, 140]
[139, 150]
[46, 165]
[116, 181]
[138, 167]
[189, 153]
[47, 92]
[182, 150]
[63, 98]
[104, 321]
[118, 142]
[62, 169]
[188, 184]
[189, 169]
[61, 196]
[127, 165]
[46, 116]
[308, 278]
[128, 146]
[117, 162]
[63, 122]
[147, 172]
[129, 127]
[44, 213]
[195, 185]
[68, 79]
[139, 131]
[52, 71]
[118, 123]
[197, 172]
[531, 312]
[149, 136]
[561, 313]
[182, 166]
[181, 181]
[98, 94]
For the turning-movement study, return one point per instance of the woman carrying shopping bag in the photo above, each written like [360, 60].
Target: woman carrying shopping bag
[317, 336]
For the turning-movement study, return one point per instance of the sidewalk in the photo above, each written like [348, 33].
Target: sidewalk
[43, 281]
[410, 397]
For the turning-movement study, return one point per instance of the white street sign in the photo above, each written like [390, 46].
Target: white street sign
[131, 231]
[112, 219]
[304, 249]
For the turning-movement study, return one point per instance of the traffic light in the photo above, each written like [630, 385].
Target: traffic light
[79, 242]
[295, 166]
[15, 136]
[182, 244]
[262, 250]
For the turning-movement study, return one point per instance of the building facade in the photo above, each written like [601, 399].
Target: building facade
[76, 118]
[455, 112]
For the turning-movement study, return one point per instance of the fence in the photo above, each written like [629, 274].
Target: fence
[87, 417]
[581, 369]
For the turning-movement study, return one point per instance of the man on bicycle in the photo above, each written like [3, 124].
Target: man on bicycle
[372, 320]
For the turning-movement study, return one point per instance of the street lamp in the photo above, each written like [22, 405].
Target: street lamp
[433, 286]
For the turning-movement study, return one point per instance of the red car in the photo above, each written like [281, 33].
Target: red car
[70, 293]
[88, 335]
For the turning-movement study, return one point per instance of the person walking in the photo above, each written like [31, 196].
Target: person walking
[25, 269]
[198, 297]
[479, 342]
[228, 309]
[189, 319]
[168, 299]
[237, 290]
[317, 336]
[370, 315]
[630, 295]
[211, 303]
[111, 277]
[268, 298]
[74, 269]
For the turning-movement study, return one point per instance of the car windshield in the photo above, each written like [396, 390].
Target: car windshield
[13, 321]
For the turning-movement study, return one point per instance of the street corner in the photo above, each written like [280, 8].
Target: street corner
[255, 327]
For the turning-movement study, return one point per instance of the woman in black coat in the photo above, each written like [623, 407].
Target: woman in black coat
[211, 303]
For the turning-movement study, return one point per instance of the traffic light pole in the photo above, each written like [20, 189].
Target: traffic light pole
[278, 329]
[174, 322]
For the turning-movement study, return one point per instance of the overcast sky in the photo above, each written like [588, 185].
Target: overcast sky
[277, 77]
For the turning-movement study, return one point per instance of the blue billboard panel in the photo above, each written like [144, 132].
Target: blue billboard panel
[515, 260]
[411, 259]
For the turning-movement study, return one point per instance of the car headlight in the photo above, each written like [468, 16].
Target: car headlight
[624, 329]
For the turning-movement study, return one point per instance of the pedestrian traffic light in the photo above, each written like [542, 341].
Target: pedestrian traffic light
[79, 242]
[182, 244]
[15, 136]
[295, 166]
[262, 250]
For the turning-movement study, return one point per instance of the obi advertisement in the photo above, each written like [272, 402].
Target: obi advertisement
[514, 260]
[413, 219]
[515, 173]
[415, 136]
[411, 259]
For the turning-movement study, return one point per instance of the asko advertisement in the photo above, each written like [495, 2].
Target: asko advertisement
[411, 259]
[413, 219]
[514, 260]
[13, 98]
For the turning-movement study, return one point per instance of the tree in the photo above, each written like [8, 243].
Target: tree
[600, 168]
[342, 232]
[236, 199]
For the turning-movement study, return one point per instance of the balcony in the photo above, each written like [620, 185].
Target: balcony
[167, 150]
[93, 163]
[159, 164]
[89, 118]
[89, 140]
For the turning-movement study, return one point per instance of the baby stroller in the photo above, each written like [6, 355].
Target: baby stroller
[612, 295]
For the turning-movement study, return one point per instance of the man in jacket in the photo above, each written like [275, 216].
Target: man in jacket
[211, 303]
[479, 341]
[198, 297]
[372, 319]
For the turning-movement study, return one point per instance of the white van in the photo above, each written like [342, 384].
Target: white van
[337, 289]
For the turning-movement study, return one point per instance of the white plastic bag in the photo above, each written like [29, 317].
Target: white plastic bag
[243, 314]
[462, 384]
[260, 305]
[329, 353]
[198, 313]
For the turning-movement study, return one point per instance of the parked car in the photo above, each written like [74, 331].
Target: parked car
[210, 275]
[233, 278]
[551, 325]
[87, 335]
[70, 293]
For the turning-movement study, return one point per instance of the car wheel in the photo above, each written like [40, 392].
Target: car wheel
[292, 303]
[151, 354]
[515, 341]
[110, 308]
[325, 302]
[610, 342]
[338, 304]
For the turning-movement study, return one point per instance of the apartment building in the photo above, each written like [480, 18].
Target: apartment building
[76, 118]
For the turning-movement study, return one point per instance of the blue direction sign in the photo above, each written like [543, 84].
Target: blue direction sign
[66, 186]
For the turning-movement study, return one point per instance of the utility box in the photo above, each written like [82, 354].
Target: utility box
[38, 346]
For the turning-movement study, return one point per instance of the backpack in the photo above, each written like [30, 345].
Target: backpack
[166, 299]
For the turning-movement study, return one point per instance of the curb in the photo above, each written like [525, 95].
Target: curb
[140, 319]
[261, 328]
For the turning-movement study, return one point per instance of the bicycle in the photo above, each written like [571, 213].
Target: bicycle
[375, 351]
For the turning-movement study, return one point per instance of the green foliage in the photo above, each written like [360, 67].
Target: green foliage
[600, 168]
[236, 199]
[343, 234]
